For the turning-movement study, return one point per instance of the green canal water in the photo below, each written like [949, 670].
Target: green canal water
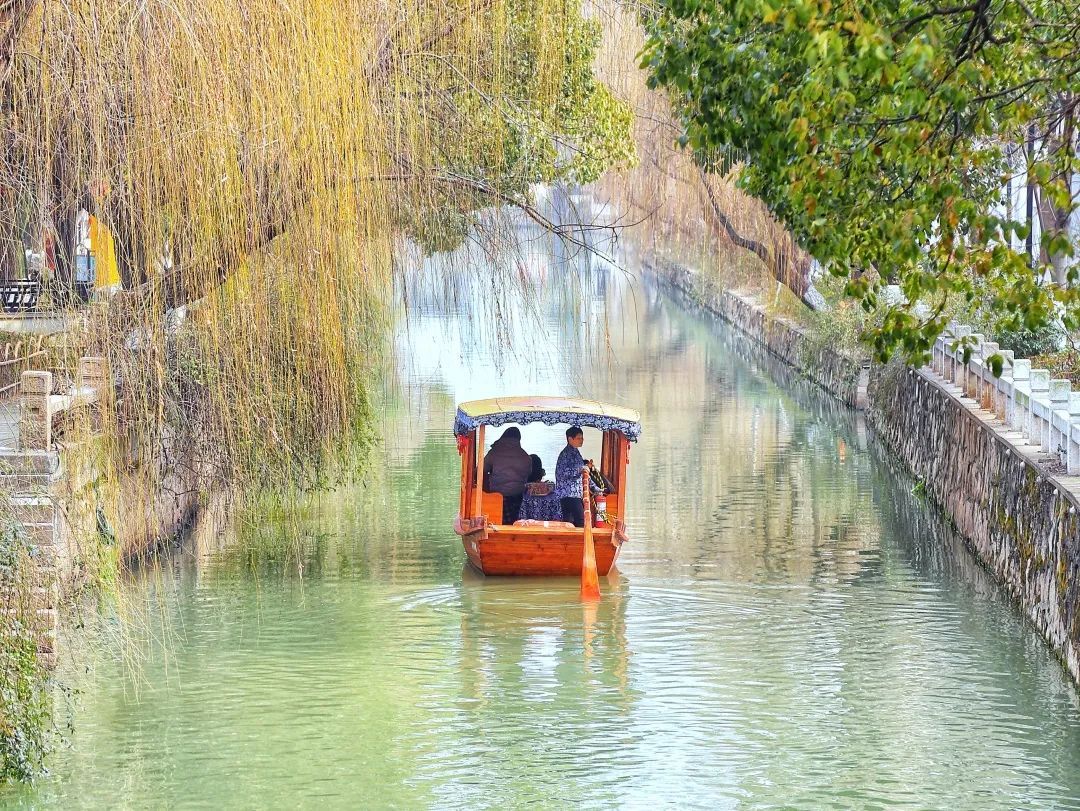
[789, 626]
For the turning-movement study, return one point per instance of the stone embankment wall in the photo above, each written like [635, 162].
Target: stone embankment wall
[1019, 519]
[841, 376]
[31, 473]
[50, 491]
[989, 453]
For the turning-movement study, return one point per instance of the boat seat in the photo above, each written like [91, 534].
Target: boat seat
[491, 505]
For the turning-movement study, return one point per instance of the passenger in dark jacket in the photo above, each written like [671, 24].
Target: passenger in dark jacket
[506, 469]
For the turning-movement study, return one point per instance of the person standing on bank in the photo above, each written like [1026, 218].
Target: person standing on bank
[568, 478]
[506, 469]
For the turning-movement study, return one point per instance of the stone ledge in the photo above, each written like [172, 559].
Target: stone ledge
[840, 375]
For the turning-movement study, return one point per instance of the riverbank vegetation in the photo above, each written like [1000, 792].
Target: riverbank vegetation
[700, 216]
[682, 205]
[256, 213]
[897, 143]
[25, 711]
[306, 140]
[258, 165]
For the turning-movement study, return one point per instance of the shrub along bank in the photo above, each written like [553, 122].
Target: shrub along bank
[25, 709]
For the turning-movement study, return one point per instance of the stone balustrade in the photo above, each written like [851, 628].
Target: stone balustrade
[1045, 411]
[40, 405]
[31, 473]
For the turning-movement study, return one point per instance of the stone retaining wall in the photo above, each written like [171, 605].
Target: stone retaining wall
[843, 377]
[52, 493]
[1017, 517]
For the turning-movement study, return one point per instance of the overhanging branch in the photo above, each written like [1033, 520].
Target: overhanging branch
[14, 14]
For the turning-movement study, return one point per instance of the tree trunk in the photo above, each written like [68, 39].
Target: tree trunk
[798, 278]
[1055, 221]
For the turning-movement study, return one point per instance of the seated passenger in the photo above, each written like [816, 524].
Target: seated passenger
[568, 478]
[536, 485]
[506, 467]
[537, 474]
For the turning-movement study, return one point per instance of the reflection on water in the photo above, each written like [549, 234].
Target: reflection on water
[789, 625]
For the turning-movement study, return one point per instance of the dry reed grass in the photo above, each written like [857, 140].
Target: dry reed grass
[703, 217]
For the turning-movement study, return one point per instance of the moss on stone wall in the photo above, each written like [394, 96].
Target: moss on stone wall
[25, 708]
[1015, 518]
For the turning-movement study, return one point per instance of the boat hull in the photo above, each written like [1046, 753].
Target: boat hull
[508, 550]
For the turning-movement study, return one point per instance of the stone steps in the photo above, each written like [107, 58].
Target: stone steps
[29, 462]
[34, 509]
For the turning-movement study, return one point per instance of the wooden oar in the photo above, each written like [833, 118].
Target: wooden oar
[589, 609]
[590, 581]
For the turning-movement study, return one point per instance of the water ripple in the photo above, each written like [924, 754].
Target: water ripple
[788, 628]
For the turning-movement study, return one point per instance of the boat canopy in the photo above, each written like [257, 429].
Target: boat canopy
[548, 410]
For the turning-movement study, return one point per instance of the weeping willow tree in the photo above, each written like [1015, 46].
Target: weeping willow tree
[260, 164]
[257, 163]
[694, 204]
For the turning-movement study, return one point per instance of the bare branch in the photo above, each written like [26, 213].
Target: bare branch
[14, 14]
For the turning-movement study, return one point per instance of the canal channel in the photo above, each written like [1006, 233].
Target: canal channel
[790, 624]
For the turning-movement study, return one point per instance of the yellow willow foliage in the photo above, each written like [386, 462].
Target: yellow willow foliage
[211, 124]
[259, 160]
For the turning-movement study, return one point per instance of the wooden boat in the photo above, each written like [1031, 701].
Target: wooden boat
[500, 549]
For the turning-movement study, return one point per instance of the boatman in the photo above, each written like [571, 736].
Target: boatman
[506, 469]
[568, 478]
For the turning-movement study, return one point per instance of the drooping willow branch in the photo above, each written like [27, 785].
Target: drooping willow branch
[384, 59]
[189, 282]
[14, 14]
[798, 281]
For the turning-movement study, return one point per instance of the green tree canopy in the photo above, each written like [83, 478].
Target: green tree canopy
[883, 134]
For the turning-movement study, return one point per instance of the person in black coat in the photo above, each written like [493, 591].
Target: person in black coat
[506, 469]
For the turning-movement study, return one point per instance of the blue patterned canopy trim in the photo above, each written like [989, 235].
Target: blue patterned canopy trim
[465, 424]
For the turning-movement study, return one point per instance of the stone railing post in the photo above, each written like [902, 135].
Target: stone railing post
[1038, 406]
[1017, 412]
[969, 386]
[941, 352]
[90, 378]
[1058, 415]
[35, 421]
[956, 367]
[91, 382]
[1072, 456]
[1004, 386]
[987, 383]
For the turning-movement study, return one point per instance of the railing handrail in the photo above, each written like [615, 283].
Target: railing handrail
[21, 354]
[21, 358]
[1044, 410]
[40, 405]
